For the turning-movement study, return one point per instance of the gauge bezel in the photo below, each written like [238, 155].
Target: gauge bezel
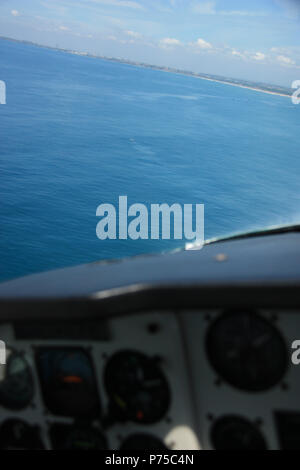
[12, 354]
[237, 420]
[123, 415]
[96, 411]
[211, 356]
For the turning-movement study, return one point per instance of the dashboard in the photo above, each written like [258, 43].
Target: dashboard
[182, 351]
[110, 392]
[158, 380]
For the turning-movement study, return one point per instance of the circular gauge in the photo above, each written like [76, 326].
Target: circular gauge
[142, 442]
[16, 382]
[137, 387]
[68, 382]
[247, 351]
[77, 437]
[235, 433]
[18, 435]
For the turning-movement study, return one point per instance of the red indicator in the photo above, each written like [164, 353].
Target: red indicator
[72, 379]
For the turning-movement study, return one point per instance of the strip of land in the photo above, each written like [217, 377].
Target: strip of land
[260, 90]
[258, 87]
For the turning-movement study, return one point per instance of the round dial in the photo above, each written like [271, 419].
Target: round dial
[16, 382]
[235, 433]
[247, 351]
[137, 387]
[68, 382]
[142, 442]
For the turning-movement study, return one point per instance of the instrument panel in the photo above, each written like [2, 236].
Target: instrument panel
[158, 380]
[243, 378]
[121, 391]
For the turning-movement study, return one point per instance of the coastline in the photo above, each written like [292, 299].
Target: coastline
[246, 84]
[223, 82]
[260, 90]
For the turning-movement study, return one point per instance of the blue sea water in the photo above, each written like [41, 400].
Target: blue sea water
[77, 132]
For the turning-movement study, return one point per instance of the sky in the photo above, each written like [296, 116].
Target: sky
[258, 40]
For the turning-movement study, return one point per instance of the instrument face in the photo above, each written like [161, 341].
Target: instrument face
[247, 351]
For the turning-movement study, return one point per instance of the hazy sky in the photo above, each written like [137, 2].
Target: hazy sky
[255, 39]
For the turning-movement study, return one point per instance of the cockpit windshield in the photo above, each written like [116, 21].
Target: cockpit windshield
[132, 127]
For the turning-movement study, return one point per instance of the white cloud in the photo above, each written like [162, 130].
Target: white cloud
[15, 13]
[169, 42]
[285, 60]
[64, 28]
[236, 53]
[259, 56]
[202, 44]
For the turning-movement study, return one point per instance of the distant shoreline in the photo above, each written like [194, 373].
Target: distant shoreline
[223, 82]
[261, 88]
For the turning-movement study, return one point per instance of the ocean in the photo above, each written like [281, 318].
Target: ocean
[77, 132]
